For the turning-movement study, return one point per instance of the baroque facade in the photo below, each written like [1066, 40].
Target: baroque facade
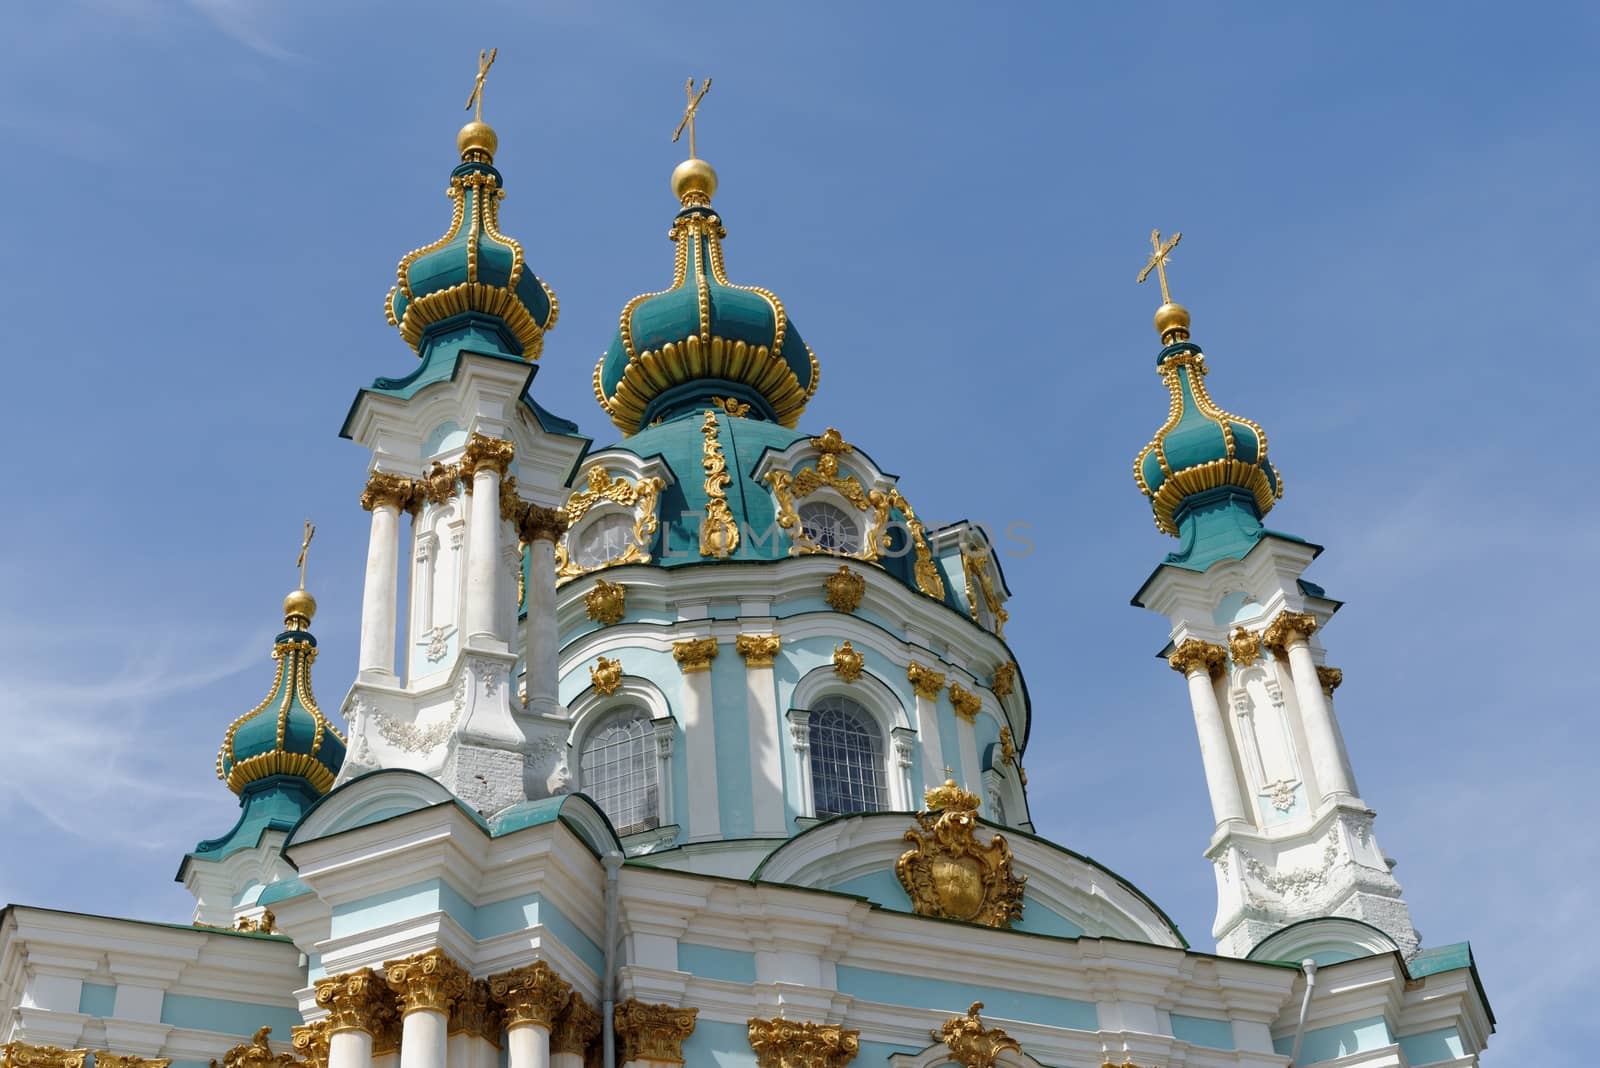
[702, 748]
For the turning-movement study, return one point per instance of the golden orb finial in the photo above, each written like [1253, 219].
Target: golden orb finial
[694, 182]
[478, 142]
[299, 605]
[1172, 323]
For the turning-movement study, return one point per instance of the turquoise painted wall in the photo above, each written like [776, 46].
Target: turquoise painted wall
[229, 1017]
[97, 999]
[1202, 1031]
[879, 1053]
[1326, 1043]
[719, 1045]
[915, 991]
[1432, 1046]
[712, 962]
[731, 728]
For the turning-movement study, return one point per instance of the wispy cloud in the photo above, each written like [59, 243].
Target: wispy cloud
[245, 22]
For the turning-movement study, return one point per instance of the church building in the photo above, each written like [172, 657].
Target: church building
[699, 747]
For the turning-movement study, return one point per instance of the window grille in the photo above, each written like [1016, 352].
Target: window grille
[619, 771]
[829, 528]
[846, 758]
[602, 539]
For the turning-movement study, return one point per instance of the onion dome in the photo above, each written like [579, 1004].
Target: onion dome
[1201, 452]
[286, 734]
[703, 335]
[473, 267]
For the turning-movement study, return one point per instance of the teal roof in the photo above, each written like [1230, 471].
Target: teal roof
[1201, 448]
[702, 337]
[274, 803]
[473, 267]
[286, 734]
[680, 443]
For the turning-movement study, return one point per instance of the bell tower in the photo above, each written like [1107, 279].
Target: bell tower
[1293, 840]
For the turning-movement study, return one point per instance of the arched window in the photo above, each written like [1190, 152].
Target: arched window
[830, 528]
[601, 540]
[618, 770]
[846, 758]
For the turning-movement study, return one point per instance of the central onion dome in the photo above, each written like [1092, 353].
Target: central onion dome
[286, 734]
[473, 267]
[1200, 448]
[703, 335]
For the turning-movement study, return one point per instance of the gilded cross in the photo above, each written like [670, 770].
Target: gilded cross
[1158, 261]
[949, 773]
[485, 61]
[687, 122]
[305, 546]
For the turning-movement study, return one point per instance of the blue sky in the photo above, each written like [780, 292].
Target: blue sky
[1389, 250]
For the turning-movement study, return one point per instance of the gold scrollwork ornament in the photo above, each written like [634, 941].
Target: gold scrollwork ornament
[971, 1044]
[950, 874]
[607, 602]
[844, 589]
[780, 1043]
[848, 663]
[606, 676]
[253, 1054]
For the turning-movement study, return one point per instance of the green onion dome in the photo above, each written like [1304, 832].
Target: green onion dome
[1200, 448]
[473, 267]
[703, 336]
[286, 734]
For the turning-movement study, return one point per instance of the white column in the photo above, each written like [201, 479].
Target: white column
[350, 1048]
[379, 594]
[1322, 735]
[699, 742]
[424, 1034]
[800, 739]
[528, 1046]
[766, 767]
[541, 528]
[1216, 753]
[927, 686]
[481, 614]
[665, 730]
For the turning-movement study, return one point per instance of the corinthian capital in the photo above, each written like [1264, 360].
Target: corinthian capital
[653, 1032]
[1288, 628]
[782, 1043]
[758, 650]
[533, 994]
[428, 980]
[24, 1055]
[383, 488]
[482, 452]
[925, 681]
[576, 1028]
[310, 1043]
[476, 1013]
[540, 523]
[1195, 655]
[356, 1001]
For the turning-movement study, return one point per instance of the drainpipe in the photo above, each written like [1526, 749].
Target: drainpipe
[1309, 967]
[608, 984]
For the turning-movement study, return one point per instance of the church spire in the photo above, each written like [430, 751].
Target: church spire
[474, 279]
[703, 336]
[1206, 470]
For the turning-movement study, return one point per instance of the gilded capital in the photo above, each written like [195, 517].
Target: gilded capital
[532, 994]
[1329, 678]
[1288, 628]
[310, 1043]
[780, 1043]
[606, 602]
[427, 981]
[848, 664]
[970, 1043]
[356, 1001]
[967, 704]
[605, 676]
[1195, 655]
[484, 452]
[538, 523]
[477, 1013]
[653, 1032]
[695, 654]
[1008, 747]
[103, 1059]
[844, 588]
[257, 1053]
[925, 681]
[1004, 680]
[758, 650]
[511, 504]
[386, 489]
[576, 1027]
[24, 1055]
